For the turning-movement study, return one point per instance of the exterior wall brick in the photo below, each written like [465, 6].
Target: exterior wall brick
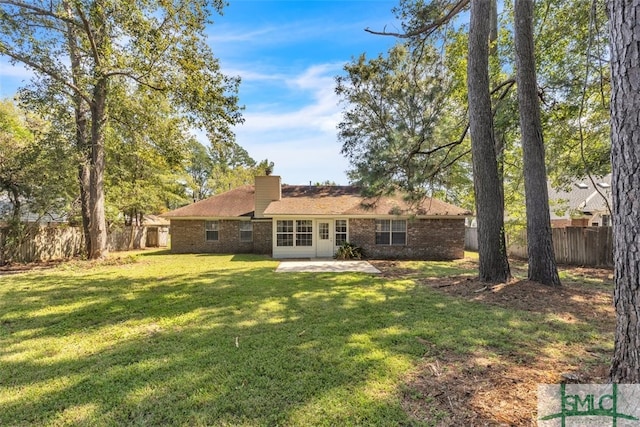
[427, 239]
[188, 236]
[263, 237]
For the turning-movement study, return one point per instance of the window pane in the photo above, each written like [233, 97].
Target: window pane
[382, 238]
[304, 239]
[246, 231]
[383, 225]
[398, 238]
[341, 231]
[211, 231]
[304, 232]
[284, 233]
[284, 240]
[323, 231]
[304, 226]
[399, 225]
[285, 226]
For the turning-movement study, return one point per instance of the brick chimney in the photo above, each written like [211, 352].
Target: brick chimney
[268, 189]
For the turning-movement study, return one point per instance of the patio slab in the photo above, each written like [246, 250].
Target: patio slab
[326, 266]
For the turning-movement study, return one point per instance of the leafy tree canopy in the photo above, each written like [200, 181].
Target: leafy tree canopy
[396, 128]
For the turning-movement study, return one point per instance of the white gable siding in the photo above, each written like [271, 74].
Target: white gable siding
[267, 190]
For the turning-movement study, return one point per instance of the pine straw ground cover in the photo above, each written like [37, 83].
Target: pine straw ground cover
[160, 339]
[485, 387]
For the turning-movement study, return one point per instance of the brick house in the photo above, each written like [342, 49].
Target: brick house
[294, 221]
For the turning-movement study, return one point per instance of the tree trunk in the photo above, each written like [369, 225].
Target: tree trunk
[493, 28]
[542, 261]
[498, 136]
[494, 265]
[14, 198]
[84, 183]
[98, 223]
[82, 145]
[624, 27]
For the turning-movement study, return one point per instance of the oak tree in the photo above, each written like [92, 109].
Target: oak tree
[85, 48]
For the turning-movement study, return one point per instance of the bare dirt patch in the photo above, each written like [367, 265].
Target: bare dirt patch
[480, 389]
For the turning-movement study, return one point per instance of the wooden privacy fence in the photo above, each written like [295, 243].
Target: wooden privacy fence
[60, 242]
[588, 246]
[471, 239]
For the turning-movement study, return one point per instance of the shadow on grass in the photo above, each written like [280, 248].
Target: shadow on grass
[232, 344]
[151, 252]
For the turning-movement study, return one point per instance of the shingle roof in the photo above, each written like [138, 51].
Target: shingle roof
[233, 203]
[346, 200]
[582, 197]
[314, 201]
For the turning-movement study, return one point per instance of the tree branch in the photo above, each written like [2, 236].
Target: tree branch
[428, 28]
[135, 78]
[40, 11]
[57, 77]
[507, 85]
[92, 41]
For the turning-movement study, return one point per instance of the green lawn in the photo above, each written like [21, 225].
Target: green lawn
[160, 339]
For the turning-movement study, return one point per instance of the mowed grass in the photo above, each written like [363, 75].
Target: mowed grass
[161, 339]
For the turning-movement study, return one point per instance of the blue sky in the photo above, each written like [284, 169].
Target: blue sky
[287, 54]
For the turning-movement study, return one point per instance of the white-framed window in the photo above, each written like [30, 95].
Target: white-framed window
[391, 232]
[211, 229]
[304, 232]
[284, 232]
[341, 231]
[246, 231]
[294, 233]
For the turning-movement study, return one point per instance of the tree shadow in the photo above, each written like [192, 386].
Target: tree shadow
[240, 345]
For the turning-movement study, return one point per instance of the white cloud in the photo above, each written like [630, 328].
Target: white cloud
[301, 140]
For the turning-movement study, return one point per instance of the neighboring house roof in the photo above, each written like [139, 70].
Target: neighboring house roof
[233, 203]
[313, 201]
[582, 197]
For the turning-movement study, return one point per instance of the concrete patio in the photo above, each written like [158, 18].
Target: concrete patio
[325, 266]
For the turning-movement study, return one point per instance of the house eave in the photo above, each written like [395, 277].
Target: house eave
[209, 218]
[369, 216]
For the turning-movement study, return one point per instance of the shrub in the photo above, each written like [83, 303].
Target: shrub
[349, 251]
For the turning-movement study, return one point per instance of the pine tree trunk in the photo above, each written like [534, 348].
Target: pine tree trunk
[542, 262]
[494, 265]
[624, 27]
